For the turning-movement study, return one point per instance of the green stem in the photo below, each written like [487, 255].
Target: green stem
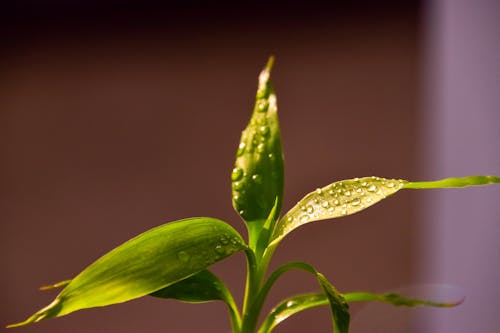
[250, 313]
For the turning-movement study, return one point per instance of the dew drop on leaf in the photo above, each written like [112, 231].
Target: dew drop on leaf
[236, 174]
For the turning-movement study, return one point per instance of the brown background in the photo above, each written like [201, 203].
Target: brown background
[118, 118]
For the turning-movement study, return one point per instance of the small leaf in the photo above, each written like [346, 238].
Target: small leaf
[204, 286]
[351, 196]
[149, 262]
[257, 177]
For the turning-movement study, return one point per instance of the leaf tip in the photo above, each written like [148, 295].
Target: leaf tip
[50, 310]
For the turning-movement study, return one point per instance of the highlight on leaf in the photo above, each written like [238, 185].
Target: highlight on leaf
[354, 195]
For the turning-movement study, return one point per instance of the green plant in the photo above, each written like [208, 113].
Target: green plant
[172, 260]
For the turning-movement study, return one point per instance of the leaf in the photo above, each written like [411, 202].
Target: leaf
[149, 262]
[338, 305]
[351, 196]
[291, 306]
[396, 299]
[257, 177]
[296, 304]
[201, 287]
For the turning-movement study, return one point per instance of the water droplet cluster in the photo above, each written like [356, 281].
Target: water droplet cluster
[338, 199]
[256, 157]
[221, 246]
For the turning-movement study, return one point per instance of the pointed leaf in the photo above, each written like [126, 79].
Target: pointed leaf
[257, 177]
[296, 304]
[396, 300]
[149, 262]
[351, 196]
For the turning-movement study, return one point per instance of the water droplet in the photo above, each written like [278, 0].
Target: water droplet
[336, 202]
[237, 185]
[224, 240]
[236, 174]
[241, 149]
[330, 210]
[331, 192]
[290, 304]
[390, 185]
[271, 156]
[372, 188]
[358, 190]
[344, 211]
[355, 202]
[339, 190]
[303, 208]
[369, 200]
[379, 192]
[364, 184]
[319, 191]
[325, 204]
[289, 219]
[261, 147]
[183, 256]
[264, 130]
[262, 106]
[242, 212]
[235, 240]
[219, 249]
[347, 193]
[304, 218]
[236, 197]
[310, 209]
[257, 178]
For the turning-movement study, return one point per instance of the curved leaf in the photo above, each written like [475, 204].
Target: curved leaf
[257, 177]
[296, 304]
[338, 305]
[149, 262]
[291, 306]
[353, 195]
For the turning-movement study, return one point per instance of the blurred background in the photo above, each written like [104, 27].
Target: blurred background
[118, 116]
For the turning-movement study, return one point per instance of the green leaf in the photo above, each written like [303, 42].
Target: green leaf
[202, 287]
[257, 177]
[149, 262]
[351, 196]
[338, 305]
[296, 304]
[396, 299]
[291, 306]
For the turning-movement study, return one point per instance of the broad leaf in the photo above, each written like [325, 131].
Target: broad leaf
[257, 177]
[351, 196]
[149, 262]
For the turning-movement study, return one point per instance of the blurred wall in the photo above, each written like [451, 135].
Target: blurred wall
[460, 229]
[117, 117]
